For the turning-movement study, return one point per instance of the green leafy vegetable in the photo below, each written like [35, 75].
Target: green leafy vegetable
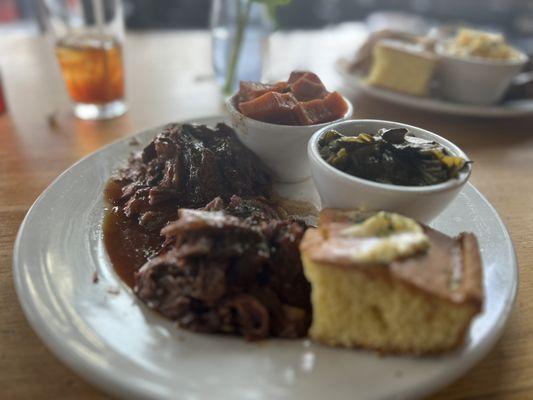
[392, 156]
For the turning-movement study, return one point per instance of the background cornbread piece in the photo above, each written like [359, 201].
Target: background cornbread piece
[363, 58]
[402, 67]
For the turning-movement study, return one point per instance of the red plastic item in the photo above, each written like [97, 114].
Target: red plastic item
[3, 107]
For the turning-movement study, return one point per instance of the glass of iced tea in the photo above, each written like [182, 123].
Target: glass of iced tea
[88, 37]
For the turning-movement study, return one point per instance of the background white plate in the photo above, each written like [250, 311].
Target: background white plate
[356, 84]
[104, 333]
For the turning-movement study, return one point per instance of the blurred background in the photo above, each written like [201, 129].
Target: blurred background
[512, 17]
[186, 45]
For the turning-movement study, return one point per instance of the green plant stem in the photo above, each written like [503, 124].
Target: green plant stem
[239, 37]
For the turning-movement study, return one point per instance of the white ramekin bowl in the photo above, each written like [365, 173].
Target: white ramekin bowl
[283, 148]
[338, 189]
[476, 80]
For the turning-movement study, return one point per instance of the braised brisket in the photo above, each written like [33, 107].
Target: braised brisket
[233, 268]
[227, 260]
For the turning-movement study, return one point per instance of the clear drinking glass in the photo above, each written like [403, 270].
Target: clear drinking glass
[88, 37]
[226, 16]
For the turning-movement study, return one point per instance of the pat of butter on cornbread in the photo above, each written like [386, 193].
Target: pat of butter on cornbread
[402, 67]
[419, 300]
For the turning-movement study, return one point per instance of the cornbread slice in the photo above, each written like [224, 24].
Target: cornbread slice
[402, 67]
[390, 291]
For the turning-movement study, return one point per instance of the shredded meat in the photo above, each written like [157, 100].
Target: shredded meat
[232, 268]
[228, 260]
[187, 166]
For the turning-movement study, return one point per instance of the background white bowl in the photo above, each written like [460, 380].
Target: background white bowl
[283, 148]
[476, 80]
[341, 190]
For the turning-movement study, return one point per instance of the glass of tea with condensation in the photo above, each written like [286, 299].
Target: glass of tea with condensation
[88, 37]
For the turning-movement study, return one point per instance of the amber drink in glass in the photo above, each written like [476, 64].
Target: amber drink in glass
[88, 44]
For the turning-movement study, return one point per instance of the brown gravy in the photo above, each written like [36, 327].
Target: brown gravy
[128, 245]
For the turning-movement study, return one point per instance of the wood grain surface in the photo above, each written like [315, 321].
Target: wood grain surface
[169, 78]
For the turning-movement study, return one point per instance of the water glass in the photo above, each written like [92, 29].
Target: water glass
[226, 15]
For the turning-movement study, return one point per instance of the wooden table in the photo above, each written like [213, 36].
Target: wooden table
[169, 78]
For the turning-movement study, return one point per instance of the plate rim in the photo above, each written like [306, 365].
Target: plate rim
[356, 83]
[120, 385]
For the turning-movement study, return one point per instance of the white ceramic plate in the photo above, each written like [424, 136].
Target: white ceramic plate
[109, 337]
[356, 84]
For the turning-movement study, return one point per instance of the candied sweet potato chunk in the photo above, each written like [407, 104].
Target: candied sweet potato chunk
[302, 115]
[305, 90]
[308, 88]
[336, 104]
[314, 112]
[295, 75]
[302, 100]
[272, 107]
[318, 111]
[251, 90]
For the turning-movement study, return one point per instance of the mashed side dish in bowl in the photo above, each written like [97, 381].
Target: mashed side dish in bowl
[477, 67]
[491, 46]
